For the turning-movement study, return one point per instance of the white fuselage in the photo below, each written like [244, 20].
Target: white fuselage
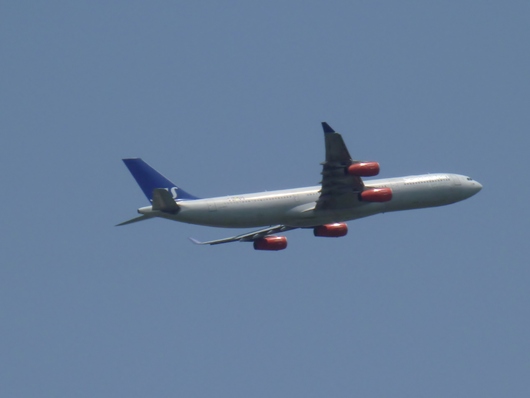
[296, 207]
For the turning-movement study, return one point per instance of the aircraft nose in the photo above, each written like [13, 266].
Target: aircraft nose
[476, 187]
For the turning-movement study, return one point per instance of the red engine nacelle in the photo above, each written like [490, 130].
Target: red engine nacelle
[376, 195]
[334, 230]
[271, 243]
[363, 169]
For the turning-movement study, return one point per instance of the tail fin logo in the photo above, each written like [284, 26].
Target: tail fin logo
[150, 179]
[173, 191]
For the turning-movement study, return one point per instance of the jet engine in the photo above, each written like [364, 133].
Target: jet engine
[271, 243]
[363, 169]
[376, 195]
[334, 230]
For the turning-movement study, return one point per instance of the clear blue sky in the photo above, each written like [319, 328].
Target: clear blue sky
[226, 98]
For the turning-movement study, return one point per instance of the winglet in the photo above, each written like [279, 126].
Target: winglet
[327, 128]
[197, 242]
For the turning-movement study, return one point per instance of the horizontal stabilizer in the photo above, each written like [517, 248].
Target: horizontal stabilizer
[141, 218]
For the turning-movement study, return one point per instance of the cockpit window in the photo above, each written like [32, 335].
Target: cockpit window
[469, 179]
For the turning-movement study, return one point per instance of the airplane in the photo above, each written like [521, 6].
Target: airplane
[342, 195]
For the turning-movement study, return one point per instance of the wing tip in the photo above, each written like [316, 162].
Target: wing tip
[327, 128]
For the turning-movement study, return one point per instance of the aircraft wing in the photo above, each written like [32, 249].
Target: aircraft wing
[339, 189]
[246, 237]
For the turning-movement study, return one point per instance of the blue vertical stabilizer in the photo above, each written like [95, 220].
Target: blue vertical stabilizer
[149, 179]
